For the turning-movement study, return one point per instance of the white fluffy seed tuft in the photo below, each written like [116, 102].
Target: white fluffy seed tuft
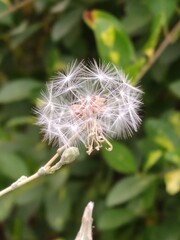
[88, 104]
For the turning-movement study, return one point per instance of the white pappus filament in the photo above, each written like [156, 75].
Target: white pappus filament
[89, 104]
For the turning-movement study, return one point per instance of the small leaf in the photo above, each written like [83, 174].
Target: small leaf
[173, 157]
[19, 29]
[120, 159]
[114, 218]
[23, 36]
[60, 6]
[152, 158]
[58, 209]
[162, 133]
[165, 8]
[6, 205]
[18, 90]
[128, 188]
[172, 181]
[12, 165]
[175, 88]
[65, 24]
[18, 121]
[173, 117]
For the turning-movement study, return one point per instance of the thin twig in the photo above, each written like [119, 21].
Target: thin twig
[13, 8]
[69, 155]
[168, 40]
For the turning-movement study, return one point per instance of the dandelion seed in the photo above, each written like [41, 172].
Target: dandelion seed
[89, 104]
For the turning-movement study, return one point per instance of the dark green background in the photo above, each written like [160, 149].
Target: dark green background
[135, 187]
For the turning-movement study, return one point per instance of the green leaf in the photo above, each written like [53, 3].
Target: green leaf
[120, 159]
[60, 6]
[167, 230]
[18, 121]
[173, 117]
[57, 180]
[175, 88]
[117, 217]
[134, 69]
[144, 201]
[6, 205]
[162, 11]
[41, 5]
[29, 194]
[165, 8]
[171, 54]
[128, 188]
[162, 133]
[12, 165]
[114, 218]
[84, 168]
[18, 89]
[172, 181]
[112, 40]
[58, 209]
[173, 157]
[146, 145]
[19, 29]
[137, 16]
[65, 24]
[152, 158]
[7, 19]
[153, 40]
[23, 36]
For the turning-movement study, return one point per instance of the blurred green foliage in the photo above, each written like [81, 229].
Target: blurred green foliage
[136, 186]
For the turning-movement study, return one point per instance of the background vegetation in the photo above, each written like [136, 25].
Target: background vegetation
[135, 187]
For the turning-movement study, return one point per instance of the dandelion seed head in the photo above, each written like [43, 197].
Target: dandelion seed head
[89, 104]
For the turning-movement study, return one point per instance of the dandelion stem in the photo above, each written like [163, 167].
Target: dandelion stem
[68, 155]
